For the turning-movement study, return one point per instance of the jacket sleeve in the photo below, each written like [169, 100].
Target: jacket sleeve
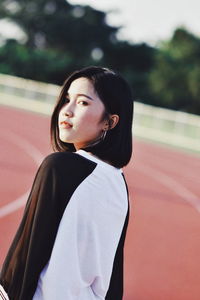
[33, 242]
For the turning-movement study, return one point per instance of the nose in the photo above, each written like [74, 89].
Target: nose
[67, 111]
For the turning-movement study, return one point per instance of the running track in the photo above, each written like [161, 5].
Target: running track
[162, 251]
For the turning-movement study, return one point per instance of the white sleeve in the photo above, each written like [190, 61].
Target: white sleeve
[81, 263]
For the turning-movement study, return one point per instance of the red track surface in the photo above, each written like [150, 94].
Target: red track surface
[162, 252]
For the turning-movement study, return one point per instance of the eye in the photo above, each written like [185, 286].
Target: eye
[66, 100]
[82, 102]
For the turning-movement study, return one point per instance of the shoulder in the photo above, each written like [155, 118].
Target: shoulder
[58, 158]
[72, 163]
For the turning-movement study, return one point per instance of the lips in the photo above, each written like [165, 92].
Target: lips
[65, 124]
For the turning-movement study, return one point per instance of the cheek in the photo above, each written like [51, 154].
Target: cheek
[59, 114]
[92, 119]
[91, 116]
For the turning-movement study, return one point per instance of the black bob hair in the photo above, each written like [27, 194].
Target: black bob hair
[116, 96]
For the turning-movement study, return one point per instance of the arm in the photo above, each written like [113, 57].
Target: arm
[33, 243]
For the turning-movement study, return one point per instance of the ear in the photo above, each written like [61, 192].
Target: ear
[112, 122]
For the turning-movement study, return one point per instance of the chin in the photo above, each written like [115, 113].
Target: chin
[64, 139]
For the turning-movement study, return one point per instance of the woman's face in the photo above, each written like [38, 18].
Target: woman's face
[80, 118]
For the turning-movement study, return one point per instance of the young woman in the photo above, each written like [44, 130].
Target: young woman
[69, 245]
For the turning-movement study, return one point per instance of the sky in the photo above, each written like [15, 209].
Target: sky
[149, 20]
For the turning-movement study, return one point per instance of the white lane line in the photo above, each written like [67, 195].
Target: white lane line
[22, 143]
[14, 205]
[173, 185]
[36, 155]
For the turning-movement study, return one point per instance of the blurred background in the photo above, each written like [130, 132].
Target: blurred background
[155, 45]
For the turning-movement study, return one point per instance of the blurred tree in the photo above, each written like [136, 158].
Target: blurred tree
[59, 25]
[62, 37]
[39, 64]
[175, 79]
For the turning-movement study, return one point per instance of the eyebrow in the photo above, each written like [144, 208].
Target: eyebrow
[78, 95]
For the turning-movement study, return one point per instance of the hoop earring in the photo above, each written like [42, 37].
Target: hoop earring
[104, 135]
[99, 140]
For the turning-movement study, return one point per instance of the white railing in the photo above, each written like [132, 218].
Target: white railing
[162, 125]
[167, 126]
[29, 89]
